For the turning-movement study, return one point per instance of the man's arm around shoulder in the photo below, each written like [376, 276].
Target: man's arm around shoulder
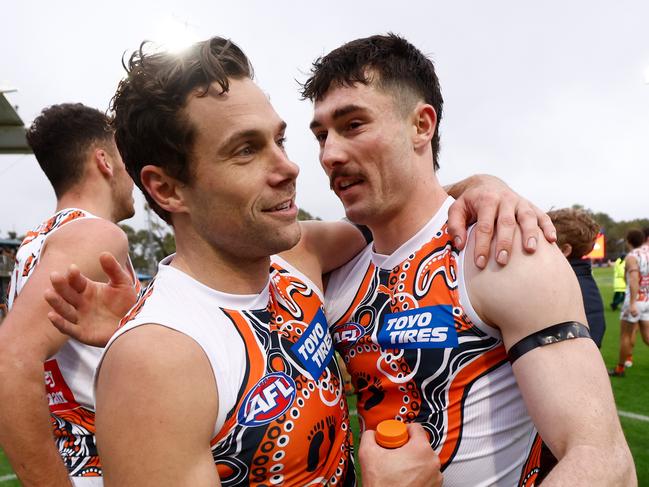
[27, 340]
[564, 385]
[157, 404]
[323, 247]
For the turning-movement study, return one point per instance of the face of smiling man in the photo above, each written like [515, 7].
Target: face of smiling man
[241, 197]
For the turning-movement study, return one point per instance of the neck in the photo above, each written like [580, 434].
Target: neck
[217, 269]
[392, 230]
[91, 201]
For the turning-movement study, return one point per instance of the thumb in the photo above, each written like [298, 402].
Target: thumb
[416, 432]
[115, 272]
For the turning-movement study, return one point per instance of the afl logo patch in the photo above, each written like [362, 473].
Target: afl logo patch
[348, 334]
[269, 399]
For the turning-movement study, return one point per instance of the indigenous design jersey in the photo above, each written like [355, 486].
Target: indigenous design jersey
[417, 352]
[642, 256]
[69, 373]
[282, 416]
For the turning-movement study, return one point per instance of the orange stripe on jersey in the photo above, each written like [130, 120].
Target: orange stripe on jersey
[256, 368]
[290, 424]
[56, 221]
[457, 393]
[531, 468]
[135, 310]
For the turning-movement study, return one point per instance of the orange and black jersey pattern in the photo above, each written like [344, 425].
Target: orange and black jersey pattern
[30, 249]
[290, 425]
[72, 418]
[413, 353]
[286, 421]
[73, 426]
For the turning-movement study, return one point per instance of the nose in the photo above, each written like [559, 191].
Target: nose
[283, 170]
[332, 152]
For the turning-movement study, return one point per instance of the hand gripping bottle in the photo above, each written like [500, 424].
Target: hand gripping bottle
[391, 433]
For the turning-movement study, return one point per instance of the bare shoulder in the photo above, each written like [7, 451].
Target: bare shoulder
[153, 360]
[532, 292]
[78, 242]
[155, 388]
[81, 243]
[154, 345]
[90, 232]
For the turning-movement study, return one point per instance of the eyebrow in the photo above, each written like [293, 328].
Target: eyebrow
[249, 133]
[338, 113]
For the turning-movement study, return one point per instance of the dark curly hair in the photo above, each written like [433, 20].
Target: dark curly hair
[149, 124]
[635, 237]
[389, 62]
[61, 137]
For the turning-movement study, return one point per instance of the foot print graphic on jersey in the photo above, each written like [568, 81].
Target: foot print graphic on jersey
[316, 439]
[331, 428]
[375, 391]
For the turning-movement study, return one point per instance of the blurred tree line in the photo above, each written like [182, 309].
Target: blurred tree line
[615, 231]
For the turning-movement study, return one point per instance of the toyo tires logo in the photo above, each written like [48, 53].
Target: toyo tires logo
[267, 400]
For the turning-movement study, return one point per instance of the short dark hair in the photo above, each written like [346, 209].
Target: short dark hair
[635, 237]
[149, 125]
[61, 137]
[389, 61]
[575, 227]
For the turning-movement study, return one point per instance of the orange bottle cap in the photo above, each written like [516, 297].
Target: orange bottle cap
[391, 433]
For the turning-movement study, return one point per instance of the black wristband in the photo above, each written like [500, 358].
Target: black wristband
[552, 334]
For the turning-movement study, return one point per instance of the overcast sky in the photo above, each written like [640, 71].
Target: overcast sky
[551, 96]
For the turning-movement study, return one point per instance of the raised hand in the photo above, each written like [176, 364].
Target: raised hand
[87, 310]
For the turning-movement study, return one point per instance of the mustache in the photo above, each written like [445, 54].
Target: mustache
[341, 172]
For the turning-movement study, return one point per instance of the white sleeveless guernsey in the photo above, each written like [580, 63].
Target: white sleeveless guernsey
[417, 352]
[69, 373]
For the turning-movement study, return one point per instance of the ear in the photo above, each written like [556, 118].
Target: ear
[566, 250]
[425, 124]
[103, 161]
[165, 190]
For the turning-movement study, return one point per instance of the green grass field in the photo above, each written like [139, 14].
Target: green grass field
[631, 392]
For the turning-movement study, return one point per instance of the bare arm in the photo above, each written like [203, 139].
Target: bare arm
[27, 340]
[632, 271]
[156, 409]
[494, 206]
[324, 246]
[564, 385]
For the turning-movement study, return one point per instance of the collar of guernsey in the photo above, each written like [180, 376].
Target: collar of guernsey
[413, 243]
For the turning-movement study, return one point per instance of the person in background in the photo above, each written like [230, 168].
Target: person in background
[619, 284]
[635, 310]
[576, 234]
[47, 423]
[619, 289]
[240, 303]
[477, 356]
